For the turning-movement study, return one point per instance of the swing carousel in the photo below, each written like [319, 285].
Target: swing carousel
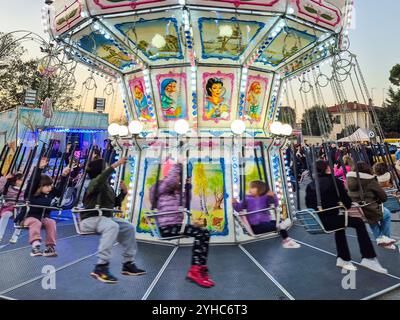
[203, 84]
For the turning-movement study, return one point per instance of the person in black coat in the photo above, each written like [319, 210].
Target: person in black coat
[332, 220]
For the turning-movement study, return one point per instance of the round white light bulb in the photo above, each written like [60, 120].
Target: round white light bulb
[158, 41]
[276, 128]
[287, 130]
[123, 131]
[181, 126]
[238, 127]
[135, 127]
[113, 129]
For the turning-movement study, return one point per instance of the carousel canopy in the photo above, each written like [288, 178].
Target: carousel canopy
[359, 136]
[209, 62]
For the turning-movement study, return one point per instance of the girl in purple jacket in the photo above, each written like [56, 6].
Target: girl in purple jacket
[10, 188]
[168, 197]
[260, 198]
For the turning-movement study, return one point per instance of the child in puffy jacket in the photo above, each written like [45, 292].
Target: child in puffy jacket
[44, 191]
[10, 188]
[260, 198]
[167, 194]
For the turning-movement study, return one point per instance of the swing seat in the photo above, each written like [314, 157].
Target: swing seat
[242, 220]
[152, 220]
[310, 220]
[356, 211]
[76, 217]
[28, 206]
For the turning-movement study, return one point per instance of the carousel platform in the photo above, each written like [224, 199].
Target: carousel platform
[260, 270]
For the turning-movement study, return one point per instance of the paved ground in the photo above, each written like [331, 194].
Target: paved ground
[393, 295]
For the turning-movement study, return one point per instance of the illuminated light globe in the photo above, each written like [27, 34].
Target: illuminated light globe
[238, 127]
[123, 131]
[276, 128]
[181, 127]
[287, 130]
[135, 127]
[113, 129]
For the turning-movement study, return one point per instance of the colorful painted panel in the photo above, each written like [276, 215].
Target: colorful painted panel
[226, 38]
[327, 13]
[105, 49]
[209, 194]
[66, 17]
[306, 60]
[256, 92]
[208, 203]
[268, 5]
[149, 179]
[172, 89]
[157, 39]
[125, 4]
[238, 3]
[143, 111]
[287, 43]
[218, 90]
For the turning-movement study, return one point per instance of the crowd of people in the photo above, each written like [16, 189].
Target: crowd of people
[351, 178]
[343, 181]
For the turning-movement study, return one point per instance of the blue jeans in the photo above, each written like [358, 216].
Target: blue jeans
[383, 227]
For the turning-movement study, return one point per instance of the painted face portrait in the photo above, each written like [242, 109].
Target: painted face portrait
[216, 90]
[216, 108]
[170, 90]
[253, 100]
[138, 93]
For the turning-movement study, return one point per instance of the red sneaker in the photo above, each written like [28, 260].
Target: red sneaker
[204, 270]
[196, 275]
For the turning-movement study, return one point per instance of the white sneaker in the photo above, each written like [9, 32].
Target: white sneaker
[374, 265]
[285, 224]
[14, 240]
[389, 240]
[347, 265]
[380, 241]
[389, 246]
[290, 244]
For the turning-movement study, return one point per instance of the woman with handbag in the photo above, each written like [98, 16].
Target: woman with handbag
[364, 189]
[333, 193]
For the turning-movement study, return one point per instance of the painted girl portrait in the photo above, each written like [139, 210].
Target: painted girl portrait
[216, 106]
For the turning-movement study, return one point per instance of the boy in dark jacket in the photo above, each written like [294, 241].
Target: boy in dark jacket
[100, 193]
[332, 220]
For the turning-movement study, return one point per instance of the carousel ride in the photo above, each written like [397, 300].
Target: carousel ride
[203, 84]
[204, 79]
